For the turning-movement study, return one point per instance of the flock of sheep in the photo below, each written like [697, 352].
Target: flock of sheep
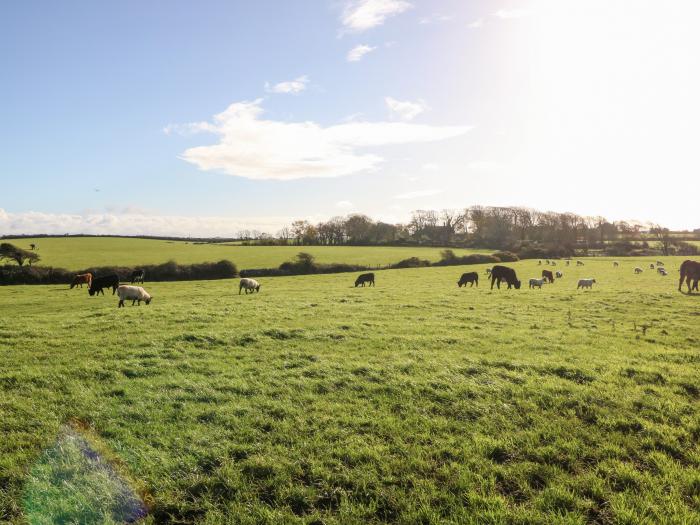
[498, 273]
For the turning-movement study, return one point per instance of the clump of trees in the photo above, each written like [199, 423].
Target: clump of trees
[14, 253]
[524, 231]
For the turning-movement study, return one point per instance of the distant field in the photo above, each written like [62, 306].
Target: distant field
[74, 253]
[316, 402]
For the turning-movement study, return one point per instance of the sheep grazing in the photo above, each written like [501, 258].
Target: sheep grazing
[659, 263]
[638, 270]
[662, 270]
[536, 283]
[651, 266]
[134, 294]
[585, 283]
[249, 285]
[579, 263]
[539, 263]
[568, 262]
[616, 264]
[559, 275]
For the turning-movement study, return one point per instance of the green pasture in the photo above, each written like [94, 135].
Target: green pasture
[316, 402]
[75, 253]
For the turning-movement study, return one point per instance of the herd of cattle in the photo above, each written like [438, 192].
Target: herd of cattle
[689, 273]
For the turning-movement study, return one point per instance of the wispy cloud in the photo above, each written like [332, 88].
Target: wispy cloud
[405, 110]
[476, 24]
[418, 193]
[117, 223]
[483, 165]
[344, 205]
[361, 15]
[357, 52]
[431, 166]
[288, 86]
[249, 146]
[511, 13]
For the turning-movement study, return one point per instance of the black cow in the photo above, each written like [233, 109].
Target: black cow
[690, 273]
[364, 278]
[137, 276]
[106, 281]
[548, 276]
[503, 273]
[472, 278]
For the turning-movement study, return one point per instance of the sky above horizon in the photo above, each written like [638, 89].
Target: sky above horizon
[206, 118]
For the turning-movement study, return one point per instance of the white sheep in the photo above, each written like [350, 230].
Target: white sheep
[559, 275]
[133, 294]
[249, 285]
[585, 283]
[536, 283]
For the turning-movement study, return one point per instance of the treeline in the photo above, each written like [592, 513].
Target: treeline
[528, 232]
[169, 271]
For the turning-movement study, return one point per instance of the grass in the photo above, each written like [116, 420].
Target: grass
[75, 253]
[412, 402]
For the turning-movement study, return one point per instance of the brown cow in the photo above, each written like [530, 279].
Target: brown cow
[80, 279]
[690, 272]
[548, 276]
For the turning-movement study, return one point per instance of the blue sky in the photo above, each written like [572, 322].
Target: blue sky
[151, 117]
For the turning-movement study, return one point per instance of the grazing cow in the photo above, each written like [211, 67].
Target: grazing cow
[579, 263]
[651, 266]
[690, 272]
[472, 278]
[364, 278]
[585, 283]
[134, 294]
[536, 283]
[106, 281]
[559, 275]
[137, 276]
[547, 276]
[503, 273]
[249, 285]
[32, 246]
[616, 264]
[80, 279]
[638, 270]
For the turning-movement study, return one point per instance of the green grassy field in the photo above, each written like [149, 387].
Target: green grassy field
[412, 402]
[74, 253]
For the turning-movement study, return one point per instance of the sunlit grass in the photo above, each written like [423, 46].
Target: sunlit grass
[412, 402]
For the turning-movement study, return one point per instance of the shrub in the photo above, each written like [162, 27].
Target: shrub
[506, 256]
[411, 262]
[169, 271]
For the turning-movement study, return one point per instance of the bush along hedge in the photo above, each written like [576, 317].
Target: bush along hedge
[169, 271]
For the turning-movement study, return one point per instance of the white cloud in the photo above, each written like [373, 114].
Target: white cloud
[418, 193]
[511, 13]
[431, 166]
[288, 86]
[255, 148]
[357, 52]
[405, 110]
[361, 15]
[116, 223]
[476, 24]
[344, 205]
